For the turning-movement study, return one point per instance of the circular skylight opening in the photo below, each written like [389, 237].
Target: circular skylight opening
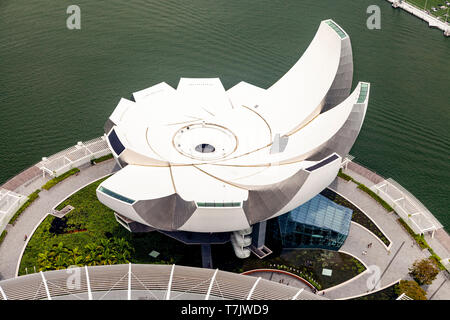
[205, 148]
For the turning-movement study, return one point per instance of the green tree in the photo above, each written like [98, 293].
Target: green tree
[92, 258]
[107, 257]
[411, 289]
[76, 257]
[44, 261]
[122, 250]
[424, 271]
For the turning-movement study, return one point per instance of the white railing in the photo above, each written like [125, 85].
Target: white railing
[10, 202]
[403, 297]
[80, 154]
[411, 210]
[420, 13]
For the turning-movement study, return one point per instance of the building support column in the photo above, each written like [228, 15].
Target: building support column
[259, 234]
[206, 256]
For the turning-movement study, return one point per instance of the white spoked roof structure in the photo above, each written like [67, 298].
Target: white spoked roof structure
[204, 159]
[147, 282]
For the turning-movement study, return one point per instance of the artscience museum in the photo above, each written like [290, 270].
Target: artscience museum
[201, 159]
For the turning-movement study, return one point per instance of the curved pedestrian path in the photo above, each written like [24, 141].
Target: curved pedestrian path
[12, 247]
[281, 277]
[385, 267]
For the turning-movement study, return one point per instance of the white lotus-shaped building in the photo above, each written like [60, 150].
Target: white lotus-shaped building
[204, 159]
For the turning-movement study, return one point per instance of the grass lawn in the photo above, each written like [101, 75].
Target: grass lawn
[99, 222]
[385, 294]
[92, 222]
[429, 4]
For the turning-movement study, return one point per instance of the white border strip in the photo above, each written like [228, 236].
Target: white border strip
[371, 292]
[352, 279]
[129, 281]
[297, 294]
[3, 294]
[211, 285]
[88, 283]
[374, 235]
[45, 285]
[384, 233]
[253, 288]
[169, 285]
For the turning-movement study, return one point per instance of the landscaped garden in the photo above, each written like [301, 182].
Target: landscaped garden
[429, 4]
[410, 288]
[306, 263]
[90, 235]
[389, 293]
[358, 216]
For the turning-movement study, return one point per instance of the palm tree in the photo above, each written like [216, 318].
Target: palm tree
[107, 257]
[76, 257]
[91, 258]
[60, 262]
[44, 261]
[123, 250]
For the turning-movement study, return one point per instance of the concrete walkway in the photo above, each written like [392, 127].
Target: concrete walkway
[384, 267]
[12, 247]
[282, 278]
[387, 266]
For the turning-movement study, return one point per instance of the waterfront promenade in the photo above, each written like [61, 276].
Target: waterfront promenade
[12, 247]
[432, 21]
[385, 265]
[392, 264]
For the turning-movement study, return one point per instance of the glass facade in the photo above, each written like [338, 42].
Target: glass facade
[363, 93]
[115, 143]
[338, 30]
[218, 204]
[115, 195]
[318, 223]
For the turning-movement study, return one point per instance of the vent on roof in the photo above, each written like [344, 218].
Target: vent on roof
[279, 144]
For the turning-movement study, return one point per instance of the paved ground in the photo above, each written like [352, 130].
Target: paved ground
[389, 265]
[281, 278]
[13, 245]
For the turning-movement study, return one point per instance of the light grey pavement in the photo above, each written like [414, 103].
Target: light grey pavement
[13, 245]
[392, 265]
[281, 278]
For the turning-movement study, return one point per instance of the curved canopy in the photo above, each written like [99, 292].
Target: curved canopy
[210, 145]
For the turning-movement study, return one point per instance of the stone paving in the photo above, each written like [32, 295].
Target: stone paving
[281, 278]
[14, 243]
[387, 266]
[391, 265]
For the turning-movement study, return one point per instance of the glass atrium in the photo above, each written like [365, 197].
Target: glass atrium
[318, 223]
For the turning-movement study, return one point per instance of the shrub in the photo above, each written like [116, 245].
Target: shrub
[364, 188]
[30, 200]
[3, 235]
[101, 159]
[419, 238]
[411, 289]
[344, 176]
[377, 198]
[51, 183]
[424, 271]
